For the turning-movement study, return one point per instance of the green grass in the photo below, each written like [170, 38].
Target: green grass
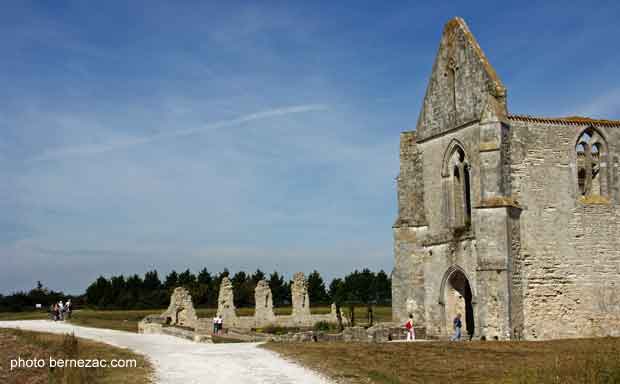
[127, 320]
[122, 320]
[119, 320]
[33, 315]
[381, 314]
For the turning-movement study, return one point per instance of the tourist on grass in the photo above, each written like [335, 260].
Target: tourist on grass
[410, 330]
[457, 328]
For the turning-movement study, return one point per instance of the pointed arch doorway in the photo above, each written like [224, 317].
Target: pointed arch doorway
[457, 297]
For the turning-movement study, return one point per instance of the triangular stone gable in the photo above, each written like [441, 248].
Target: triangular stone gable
[460, 85]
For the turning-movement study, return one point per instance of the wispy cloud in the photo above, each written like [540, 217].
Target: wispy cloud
[85, 150]
[604, 105]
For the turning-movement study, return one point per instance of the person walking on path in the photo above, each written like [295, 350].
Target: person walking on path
[68, 309]
[410, 329]
[215, 324]
[457, 328]
[61, 311]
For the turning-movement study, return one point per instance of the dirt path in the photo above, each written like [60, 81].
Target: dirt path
[184, 362]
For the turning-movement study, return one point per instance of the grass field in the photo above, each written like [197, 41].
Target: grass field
[30, 345]
[127, 320]
[559, 362]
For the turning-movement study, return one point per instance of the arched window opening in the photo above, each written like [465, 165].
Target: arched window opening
[467, 198]
[591, 164]
[457, 196]
[458, 189]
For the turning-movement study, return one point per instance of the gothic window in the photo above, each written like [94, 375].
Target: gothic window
[458, 188]
[591, 164]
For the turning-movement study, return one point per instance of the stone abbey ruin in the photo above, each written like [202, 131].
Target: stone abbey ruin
[181, 311]
[511, 220]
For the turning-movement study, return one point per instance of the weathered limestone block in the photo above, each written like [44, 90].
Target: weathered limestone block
[181, 309]
[225, 302]
[151, 324]
[264, 303]
[299, 296]
[356, 334]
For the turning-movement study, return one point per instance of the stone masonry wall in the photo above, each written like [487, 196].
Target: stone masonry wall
[460, 81]
[462, 108]
[542, 262]
[570, 250]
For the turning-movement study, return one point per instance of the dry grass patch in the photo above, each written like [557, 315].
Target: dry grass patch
[30, 345]
[561, 361]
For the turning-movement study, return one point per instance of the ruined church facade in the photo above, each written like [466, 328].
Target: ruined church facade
[511, 220]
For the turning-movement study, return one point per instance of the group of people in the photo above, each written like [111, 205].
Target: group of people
[457, 325]
[60, 311]
[218, 324]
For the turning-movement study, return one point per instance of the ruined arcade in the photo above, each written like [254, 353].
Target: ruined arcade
[511, 220]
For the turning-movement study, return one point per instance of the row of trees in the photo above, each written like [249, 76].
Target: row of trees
[363, 287]
[150, 291]
[38, 295]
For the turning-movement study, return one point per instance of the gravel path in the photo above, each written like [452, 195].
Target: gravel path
[184, 362]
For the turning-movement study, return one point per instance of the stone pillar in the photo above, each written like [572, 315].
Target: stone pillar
[493, 248]
[492, 225]
[299, 296]
[263, 313]
[181, 309]
[225, 302]
[494, 152]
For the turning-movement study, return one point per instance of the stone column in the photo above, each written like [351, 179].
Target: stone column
[225, 303]
[263, 313]
[299, 296]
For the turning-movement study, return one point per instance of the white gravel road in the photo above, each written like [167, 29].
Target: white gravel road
[184, 362]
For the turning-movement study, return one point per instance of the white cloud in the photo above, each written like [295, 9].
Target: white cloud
[603, 106]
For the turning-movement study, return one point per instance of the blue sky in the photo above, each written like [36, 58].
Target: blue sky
[188, 134]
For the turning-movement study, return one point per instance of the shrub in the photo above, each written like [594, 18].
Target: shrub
[325, 326]
[278, 330]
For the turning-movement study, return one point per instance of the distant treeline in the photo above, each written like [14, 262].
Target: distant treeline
[38, 295]
[136, 292]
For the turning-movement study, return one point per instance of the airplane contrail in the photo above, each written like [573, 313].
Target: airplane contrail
[130, 142]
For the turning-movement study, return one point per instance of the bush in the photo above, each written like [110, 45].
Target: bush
[325, 326]
[278, 330]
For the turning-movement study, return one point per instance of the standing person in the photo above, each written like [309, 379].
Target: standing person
[410, 330]
[215, 324]
[68, 308]
[61, 310]
[457, 328]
